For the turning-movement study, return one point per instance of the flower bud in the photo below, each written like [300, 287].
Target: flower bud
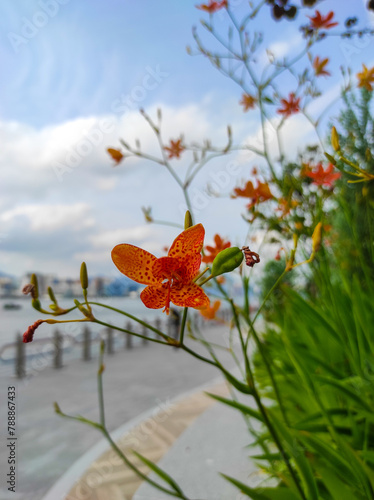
[335, 139]
[29, 333]
[331, 159]
[226, 261]
[51, 295]
[82, 309]
[34, 281]
[56, 407]
[84, 276]
[188, 220]
[36, 304]
[317, 237]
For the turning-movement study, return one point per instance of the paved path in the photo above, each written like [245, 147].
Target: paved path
[134, 382]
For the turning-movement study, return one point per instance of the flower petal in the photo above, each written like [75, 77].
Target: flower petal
[155, 297]
[135, 263]
[165, 268]
[188, 243]
[188, 295]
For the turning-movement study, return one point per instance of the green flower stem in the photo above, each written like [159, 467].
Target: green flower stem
[134, 318]
[138, 472]
[100, 384]
[135, 334]
[268, 295]
[200, 275]
[183, 326]
[252, 386]
[206, 280]
[167, 223]
[198, 356]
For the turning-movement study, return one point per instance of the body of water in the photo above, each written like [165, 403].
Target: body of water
[16, 321]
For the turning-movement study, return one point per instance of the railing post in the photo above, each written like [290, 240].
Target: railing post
[145, 334]
[109, 342]
[128, 343]
[86, 344]
[57, 342]
[20, 357]
[158, 325]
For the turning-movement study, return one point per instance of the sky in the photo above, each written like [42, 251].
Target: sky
[75, 73]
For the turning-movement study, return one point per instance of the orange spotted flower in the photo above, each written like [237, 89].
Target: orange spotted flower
[323, 177]
[290, 106]
[220, 243]
[366, 78]
[212, 6]
[319, 66]
[175, 149]
[248, 102]
[319, 21]
[115, 154]
[209, 312]
[168, 279]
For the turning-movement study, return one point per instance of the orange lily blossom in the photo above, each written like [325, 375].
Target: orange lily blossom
[169, 279]
[248, 102]
[115, 154]
[209, 312]
[366, 78]
[323, 177]
[175, 149]
[319, 21]
[290, 106]
[220, 243]
[257, 195]
[319, 66]
[212, 6]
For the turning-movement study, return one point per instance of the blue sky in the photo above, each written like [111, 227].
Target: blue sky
[66, 70]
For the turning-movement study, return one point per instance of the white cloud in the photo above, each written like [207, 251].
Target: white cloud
[47, 217]
[131, 235]
[52, 223]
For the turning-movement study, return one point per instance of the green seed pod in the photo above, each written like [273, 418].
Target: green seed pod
[188, 220]
[226, 261]
[84, 276]
[52, 295]
[34, 281]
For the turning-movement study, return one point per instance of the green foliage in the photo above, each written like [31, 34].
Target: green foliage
[354, 220]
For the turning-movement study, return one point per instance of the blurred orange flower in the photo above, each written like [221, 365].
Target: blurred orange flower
[285, 206]
[220, 244]
[115, 154]
[169, 279]
[175, 149]
[209, 312]
[319, 21]
[366, 78]
[319, 66]
[323, 177]
[290, 106]
[212, 6]
[248, 102]
[257, 195]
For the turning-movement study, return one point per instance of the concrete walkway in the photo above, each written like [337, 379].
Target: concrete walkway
[134, 382]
